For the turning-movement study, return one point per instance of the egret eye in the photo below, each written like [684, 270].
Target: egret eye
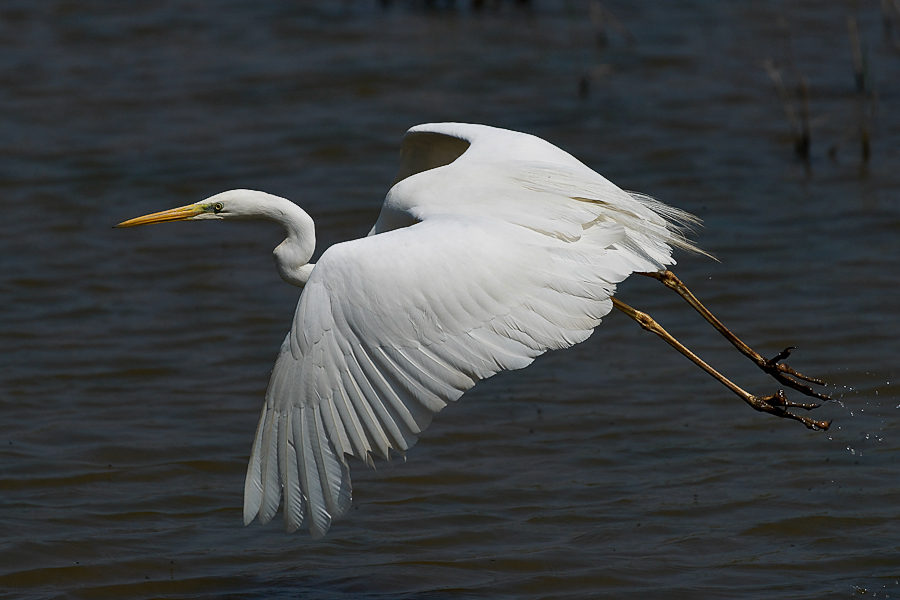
[218, 206]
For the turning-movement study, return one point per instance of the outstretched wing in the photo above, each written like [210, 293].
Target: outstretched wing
[479, 265]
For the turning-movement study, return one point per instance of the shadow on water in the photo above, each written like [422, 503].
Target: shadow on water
[136, 360]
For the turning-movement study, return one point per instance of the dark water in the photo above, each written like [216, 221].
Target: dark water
[134, 361]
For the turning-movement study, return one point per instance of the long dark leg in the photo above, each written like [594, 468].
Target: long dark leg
[773, 366]
[776, 404]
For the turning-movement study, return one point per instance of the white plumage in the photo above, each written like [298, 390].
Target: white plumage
[491, 248]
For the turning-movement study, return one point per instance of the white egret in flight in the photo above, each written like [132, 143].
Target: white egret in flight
[491, 248]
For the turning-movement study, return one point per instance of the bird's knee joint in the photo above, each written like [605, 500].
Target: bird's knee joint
[645, 321]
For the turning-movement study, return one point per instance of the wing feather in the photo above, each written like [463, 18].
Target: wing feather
[355, 432]
[294, 498]
[376, 439]
[270, 477]
[420, 401]
[334, 425]
[252, 486]
[385, 405]
[308, 459]
[331, 470]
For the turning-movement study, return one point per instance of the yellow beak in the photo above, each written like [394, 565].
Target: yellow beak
[176, 214]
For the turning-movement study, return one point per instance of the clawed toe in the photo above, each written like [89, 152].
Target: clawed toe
[781, 372]
[774, 363]
[779, 399]
[777, 403]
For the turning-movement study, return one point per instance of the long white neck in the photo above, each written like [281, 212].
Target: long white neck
[293, 254]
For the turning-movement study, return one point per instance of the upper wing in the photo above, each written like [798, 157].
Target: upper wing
[499, 267]
[475, 170]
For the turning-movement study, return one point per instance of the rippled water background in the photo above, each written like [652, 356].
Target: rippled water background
[134, 361]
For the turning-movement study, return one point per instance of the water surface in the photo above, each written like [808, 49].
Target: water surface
[135, 361]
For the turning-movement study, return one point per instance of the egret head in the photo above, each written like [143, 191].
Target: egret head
[233, 204]
[291, 256]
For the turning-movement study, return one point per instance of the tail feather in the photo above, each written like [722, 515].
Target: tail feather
[679, 223]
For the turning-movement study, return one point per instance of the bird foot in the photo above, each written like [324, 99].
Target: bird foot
[783, 374]
[777, 404]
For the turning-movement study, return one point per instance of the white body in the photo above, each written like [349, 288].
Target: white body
[492, 247]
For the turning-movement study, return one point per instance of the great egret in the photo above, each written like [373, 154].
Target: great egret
[491, 248]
